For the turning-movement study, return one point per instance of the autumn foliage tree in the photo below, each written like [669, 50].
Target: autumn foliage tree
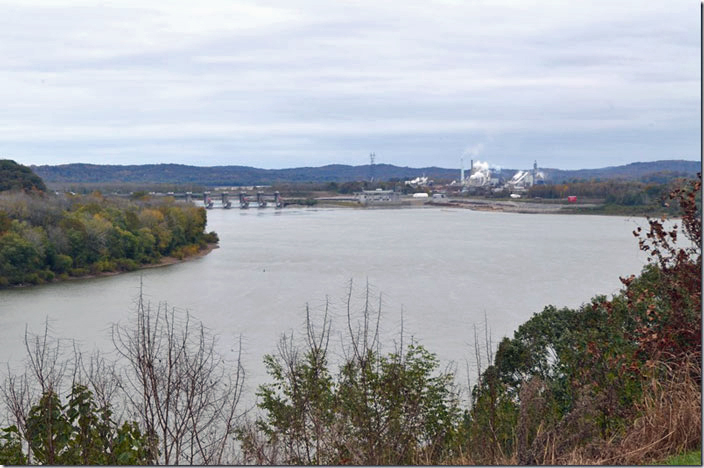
[43, 237]
[667, 308]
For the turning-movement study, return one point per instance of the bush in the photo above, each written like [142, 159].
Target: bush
[76, 433]
[62, 263]
[379, 409]
[103, 265]
[186, 251]
[79, 271]
[46, 275]
[211, 237]
[126, 264]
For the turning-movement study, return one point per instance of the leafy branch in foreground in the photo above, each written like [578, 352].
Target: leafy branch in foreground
[379, 409]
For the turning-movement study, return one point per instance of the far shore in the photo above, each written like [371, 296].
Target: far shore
[591, 207]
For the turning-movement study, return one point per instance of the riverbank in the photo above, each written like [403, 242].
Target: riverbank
[507, 206]
[164, 261]
[550, 207]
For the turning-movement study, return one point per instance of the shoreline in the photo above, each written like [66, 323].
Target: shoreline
[166, 261]
[163, 262]
[503, 206]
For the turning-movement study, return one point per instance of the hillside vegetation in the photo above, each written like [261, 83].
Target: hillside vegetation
[655, 171]
[226, 175]
[14, 176]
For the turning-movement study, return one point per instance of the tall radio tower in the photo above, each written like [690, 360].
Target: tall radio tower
[372, 158]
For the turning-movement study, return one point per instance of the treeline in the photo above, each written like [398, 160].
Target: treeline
[653, 171]
[616, 381]
[228, 175]
[611, 191]
[244, 175]
[86, 188]
[43, 237]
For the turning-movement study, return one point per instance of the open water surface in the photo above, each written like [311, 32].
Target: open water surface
[441, 269]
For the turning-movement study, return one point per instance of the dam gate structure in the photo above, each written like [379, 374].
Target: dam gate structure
[263, 199]
[226, 203]
[207, 201]
[244, 201]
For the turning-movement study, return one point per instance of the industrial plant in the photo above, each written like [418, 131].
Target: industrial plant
[482, 176]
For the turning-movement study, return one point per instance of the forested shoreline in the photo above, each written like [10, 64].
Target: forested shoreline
[46, 237]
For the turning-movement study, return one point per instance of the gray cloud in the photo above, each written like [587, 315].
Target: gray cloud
[281, 84]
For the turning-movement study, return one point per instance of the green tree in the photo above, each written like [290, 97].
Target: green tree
[378, 409]
[11, 447]
[80, 433]
[18, 258]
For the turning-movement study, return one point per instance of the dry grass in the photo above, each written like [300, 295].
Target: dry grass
[669, 422]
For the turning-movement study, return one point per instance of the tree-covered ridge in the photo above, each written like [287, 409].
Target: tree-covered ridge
[228, 175]
[43, 237]
[14, 176]
[660, 171]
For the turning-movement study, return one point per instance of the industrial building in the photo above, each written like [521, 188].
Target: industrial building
[480, 175]
[378, 196]
[525, 179]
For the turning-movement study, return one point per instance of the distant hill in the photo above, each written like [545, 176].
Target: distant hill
[15, 176]
[244, 175]
[655, 171]
[229, 175]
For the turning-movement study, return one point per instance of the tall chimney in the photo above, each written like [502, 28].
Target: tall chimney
[461, 170]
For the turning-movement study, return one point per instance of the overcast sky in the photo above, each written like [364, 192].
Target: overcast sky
[573, 84]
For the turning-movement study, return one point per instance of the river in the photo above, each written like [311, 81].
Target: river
[443, 270]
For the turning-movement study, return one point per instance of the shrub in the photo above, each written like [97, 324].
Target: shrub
[211, 237]
[378, 409]
[78, 433]
[62, 263]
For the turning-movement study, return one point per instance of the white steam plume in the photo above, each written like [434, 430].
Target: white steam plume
[473, 151]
